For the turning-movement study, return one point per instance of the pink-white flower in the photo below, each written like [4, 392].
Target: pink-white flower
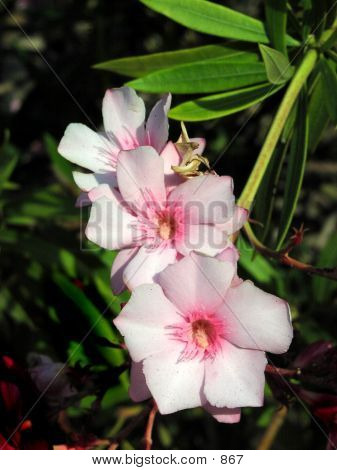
[124, 129]
[153, 224]
[198, 339]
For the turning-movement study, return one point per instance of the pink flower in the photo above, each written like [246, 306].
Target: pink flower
[124, 129]
[196, 339]
[154, 225]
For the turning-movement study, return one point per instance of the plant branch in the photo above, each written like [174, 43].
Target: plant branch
[123, 434]
[270, 369]
[273, 428]
[149, 427]
[276, 128]
[283, 257]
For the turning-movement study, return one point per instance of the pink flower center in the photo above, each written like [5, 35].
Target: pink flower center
[202, 332]
[159, 224]
[167, 226]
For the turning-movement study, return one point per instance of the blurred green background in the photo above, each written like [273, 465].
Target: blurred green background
[54, 284]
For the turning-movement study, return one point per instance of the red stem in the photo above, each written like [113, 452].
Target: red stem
[149, 427]
[270, 369]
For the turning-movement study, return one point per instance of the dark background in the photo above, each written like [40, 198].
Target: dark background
[42, 92]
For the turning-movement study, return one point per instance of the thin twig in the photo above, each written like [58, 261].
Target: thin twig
[273, 428]
[270, 369]
[283, 257]
[149, 427]
[123, 434]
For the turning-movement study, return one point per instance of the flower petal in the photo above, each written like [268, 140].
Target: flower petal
[203, 238]
[143, 321]
[157, 124]
[224, 415]
[143, 268]
[197, 282]
[140, 176]
[206, 198]
[87, 148]
[89, 181]
[110, 225]
[138, 390]
[171, 158]
[235, 223]
[235, 378]
[119, 264]
[175, 385]
[123, 117]
[257, 320]
[230, 253]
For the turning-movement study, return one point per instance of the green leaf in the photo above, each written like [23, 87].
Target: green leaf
[330, 40]
[295, 170]
[8, 161]
[255, 264]
[314, 18]
[98, 324]
[44, 251]
[289, 125]
[45, 203]
[144, 64]
[62, 168]
[331, 13]
[222, 104]
[68, 262]
[329, 78]
[265, 197]
[113, 397]
[76, 354]
[277, 65]
[318, 115]
[323, 288]
[276, 16]
[202, 77]
[210, 18]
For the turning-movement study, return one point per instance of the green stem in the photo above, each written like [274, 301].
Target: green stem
[329, 37]
[248, 194]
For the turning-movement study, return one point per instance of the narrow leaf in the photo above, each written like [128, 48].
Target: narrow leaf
[329, 78]
[8, 161]
[314, 17]
[62, 168]
[222, 104]
[295, 170]
[289, 125]
[265, 198]
[255, 264]
[277, 65]
[210, 18]
[318, 115]
[144, 64]
[98, 324]
[202, 77]
[276, 16]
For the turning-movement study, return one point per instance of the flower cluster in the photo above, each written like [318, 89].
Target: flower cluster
[197, 333]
